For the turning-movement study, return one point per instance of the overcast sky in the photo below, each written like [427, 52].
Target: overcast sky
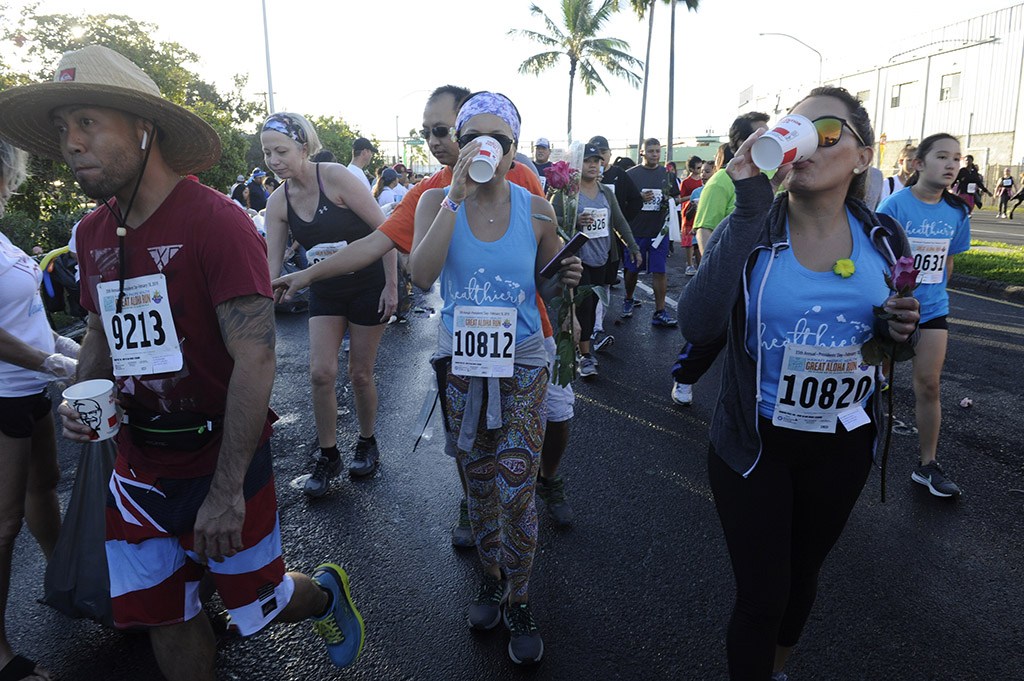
[369, 62]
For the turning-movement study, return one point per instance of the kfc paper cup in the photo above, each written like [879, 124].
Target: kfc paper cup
[481, 168]
[94, 402]
[793, 139]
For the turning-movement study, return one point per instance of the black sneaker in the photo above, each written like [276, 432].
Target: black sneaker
[552, 493]
[323, 470]
[365, 459]
[526, 646]
[462, 532]
[605, 341]
[485, 610]
[932, 477]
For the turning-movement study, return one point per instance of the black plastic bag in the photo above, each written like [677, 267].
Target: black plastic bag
[77, 581]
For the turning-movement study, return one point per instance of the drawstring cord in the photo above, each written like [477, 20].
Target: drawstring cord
[122, 227]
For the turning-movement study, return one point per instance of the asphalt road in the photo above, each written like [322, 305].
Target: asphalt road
[985, 226]
[917, 588]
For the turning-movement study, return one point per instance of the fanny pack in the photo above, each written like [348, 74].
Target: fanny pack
[181, 431]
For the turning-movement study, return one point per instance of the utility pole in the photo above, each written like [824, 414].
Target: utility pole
[266, 43]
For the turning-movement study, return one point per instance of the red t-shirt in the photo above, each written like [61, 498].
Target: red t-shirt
[399, 226]
[687, 187]
[210, 252]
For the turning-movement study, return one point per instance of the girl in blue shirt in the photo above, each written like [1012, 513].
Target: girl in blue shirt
[938, 225]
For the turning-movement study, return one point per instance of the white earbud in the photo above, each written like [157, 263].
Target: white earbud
[145, 138]
[856, 171]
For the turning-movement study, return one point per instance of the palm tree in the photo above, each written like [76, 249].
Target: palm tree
[642, 7]
[578, 42]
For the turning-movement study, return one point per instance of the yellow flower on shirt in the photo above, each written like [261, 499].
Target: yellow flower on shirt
[844, 268]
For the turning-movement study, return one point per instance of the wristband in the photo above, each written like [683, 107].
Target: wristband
[450, 205]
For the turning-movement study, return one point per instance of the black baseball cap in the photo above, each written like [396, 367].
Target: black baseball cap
[599, 142]
[363, 143]
[590, 151]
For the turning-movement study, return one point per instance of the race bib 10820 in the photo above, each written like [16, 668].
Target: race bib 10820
[817, 384]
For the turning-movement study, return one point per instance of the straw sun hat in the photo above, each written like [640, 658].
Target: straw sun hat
[99, 76]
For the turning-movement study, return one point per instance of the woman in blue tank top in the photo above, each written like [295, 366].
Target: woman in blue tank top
[326, 208]
[487, 241]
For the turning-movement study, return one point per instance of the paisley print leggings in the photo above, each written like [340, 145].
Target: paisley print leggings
[501, 473]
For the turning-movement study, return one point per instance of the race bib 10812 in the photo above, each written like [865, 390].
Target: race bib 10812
[484, 341]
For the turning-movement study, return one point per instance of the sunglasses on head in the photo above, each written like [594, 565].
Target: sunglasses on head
[505, 142]
[438, 131]
[830, 130]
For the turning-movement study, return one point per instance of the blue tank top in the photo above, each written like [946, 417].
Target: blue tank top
[497, 273]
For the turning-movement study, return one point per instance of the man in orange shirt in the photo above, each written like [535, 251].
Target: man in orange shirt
[397, 232]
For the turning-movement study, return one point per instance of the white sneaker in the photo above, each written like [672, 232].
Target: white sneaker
[690, 270]
[682, 394]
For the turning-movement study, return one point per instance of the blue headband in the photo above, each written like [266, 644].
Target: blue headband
[286, 125]
[492, 103]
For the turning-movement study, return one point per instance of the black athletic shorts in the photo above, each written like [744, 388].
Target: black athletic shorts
[359, 306]
[18, 415]
[941, 323]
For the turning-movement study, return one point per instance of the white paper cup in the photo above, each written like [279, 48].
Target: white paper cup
[793, 139]
[94, 402]
[481, 168]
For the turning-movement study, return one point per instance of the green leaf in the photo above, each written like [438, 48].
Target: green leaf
[565, 358]
[872, 352]
[901, 352]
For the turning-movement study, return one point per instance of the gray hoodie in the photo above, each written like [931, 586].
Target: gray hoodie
[716, 301]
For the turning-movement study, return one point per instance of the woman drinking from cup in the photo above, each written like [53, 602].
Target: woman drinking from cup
[31, 356]
[598, 216]
[325, 208]
[487, 239]
[793, 282]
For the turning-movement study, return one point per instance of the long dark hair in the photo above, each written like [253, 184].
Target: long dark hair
[922, 150]
[859, 120]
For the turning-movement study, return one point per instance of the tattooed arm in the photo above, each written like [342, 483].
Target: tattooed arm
[247, 327]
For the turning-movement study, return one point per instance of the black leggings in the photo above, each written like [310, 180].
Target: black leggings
[586, 310]
[780, 523]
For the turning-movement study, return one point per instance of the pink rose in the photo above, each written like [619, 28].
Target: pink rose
[559, 175]
[904, 276]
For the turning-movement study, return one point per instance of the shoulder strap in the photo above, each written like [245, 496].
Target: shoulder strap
[892, 184]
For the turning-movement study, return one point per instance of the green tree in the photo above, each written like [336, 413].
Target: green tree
[577, 40]
[642, 7]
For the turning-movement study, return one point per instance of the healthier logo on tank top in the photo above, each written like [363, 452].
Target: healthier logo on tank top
[162, 255]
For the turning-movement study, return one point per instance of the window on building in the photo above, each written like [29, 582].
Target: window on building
[950, 87]
[864, 96]
[894, 100]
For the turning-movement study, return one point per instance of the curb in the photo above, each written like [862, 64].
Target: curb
[996, 289]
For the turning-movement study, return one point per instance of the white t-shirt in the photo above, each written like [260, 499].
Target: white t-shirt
[358, 172]
[22, 315]
[897, 184]
[387, 195]
[400, 191]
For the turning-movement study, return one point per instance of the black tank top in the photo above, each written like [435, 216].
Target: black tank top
[331, 224]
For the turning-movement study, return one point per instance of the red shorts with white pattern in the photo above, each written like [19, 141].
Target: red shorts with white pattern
[154, 573]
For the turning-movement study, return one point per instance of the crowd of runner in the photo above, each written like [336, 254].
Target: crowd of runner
[788, 274]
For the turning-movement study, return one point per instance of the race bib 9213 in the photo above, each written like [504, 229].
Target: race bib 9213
[141, 337]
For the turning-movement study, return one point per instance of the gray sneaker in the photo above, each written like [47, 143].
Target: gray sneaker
[552, 493]
[320, 480]
[933, 477]
[365, 459]
[588, 367]
[462, 533]
[485, 610]
[526, 646]
[605, 341]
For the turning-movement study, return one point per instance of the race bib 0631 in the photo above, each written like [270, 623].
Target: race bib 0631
[142, 337]
[930, 258]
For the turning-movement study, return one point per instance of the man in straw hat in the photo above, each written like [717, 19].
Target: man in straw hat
[175, 280]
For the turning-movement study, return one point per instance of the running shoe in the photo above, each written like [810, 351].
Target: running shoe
[320, 480]
[485, 610]
[342, 627]
[662, 319]
[462, 533]
[932, 476]
[588, 367]
[627, 308]
[526, 646]
[780, 676]
[682, 394]
[605, 341]
[365, 459]
[690, 270]
[552, 493]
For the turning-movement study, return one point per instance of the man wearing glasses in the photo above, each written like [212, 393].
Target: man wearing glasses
[397, 232]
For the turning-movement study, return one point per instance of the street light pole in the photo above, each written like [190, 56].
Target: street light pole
[266, 43]
[786, 35]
